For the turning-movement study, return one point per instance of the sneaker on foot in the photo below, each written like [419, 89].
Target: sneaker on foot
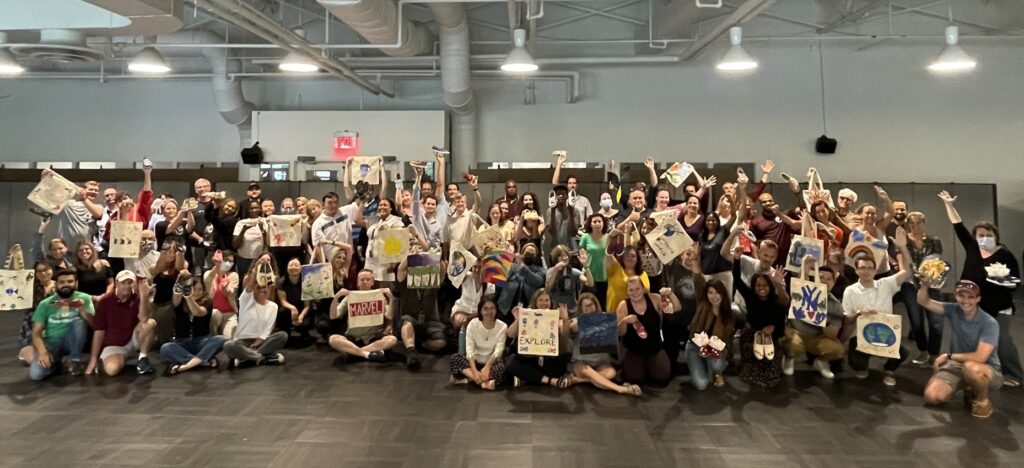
[889, 379]
[75, 368]
[788, 365]
[276, 358]
[377, 356]
[143, 366]
[861, 374]
[981, 409]
[922, 359]
[412, 361]
[457, 381]
[823, 369]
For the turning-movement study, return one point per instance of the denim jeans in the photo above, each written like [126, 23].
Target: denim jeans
[703, 368]
[70, 345]
[1009, 359]
[239, 348]
[183, 350]
[932, 340]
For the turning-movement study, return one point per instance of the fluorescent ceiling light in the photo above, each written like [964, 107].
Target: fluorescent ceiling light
[298, 63]
[953, 57]
[519, 59]
[736, 58]
[9, 64]
[149, 61]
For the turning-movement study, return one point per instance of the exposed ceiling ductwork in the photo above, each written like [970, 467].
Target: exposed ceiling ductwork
[381, 23]
[453, 27]
[110, 17]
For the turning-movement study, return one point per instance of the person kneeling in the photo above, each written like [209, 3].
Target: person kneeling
[485, 343]
[255, 339]
[123, 325]
[971, 363]
[366, 338]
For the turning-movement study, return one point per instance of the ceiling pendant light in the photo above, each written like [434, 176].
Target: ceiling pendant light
[9, 63]
[519, 59]
[736, 58]
[149, 61]
[298, 63]
[953, 57]
[295, 62]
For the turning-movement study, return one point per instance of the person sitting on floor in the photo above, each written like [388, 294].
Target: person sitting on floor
[255, 340]
[123, 325]
[972, 363]
[58, 328]
[485, 343]
[596, 368]
[193, 344]
[369, 343]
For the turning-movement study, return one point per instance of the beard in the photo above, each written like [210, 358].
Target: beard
[65, 292]
[900, 217]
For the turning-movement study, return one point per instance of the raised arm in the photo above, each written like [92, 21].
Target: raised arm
[924, 300]
[903, 259]
[439, 174]
[475, 184]
[559, 160]
[890, 210]
[651, 173]
[949, 201]
[345, 183]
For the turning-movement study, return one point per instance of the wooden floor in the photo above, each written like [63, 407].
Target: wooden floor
[319, 410]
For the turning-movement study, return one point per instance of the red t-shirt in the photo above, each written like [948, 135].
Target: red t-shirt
[118, 319]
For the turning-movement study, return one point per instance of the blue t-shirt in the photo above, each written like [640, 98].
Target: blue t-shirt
[968, 333]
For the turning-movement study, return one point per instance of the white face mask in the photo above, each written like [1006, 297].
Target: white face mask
[987, 243]
[226, 265]
[606, 203]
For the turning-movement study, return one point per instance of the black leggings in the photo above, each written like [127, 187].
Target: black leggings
[532, 372]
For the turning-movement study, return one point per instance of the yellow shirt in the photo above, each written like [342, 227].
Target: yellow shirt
[617, 285]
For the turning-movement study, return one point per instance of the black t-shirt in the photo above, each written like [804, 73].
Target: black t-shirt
[180, 234]
[187, 325]
[292, 291]
[164, 285]
[92, 282]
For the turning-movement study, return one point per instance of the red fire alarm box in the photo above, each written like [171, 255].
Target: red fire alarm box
[346, 144]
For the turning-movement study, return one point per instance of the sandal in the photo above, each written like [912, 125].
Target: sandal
[564, 382]
[174, 370]
[632, 389]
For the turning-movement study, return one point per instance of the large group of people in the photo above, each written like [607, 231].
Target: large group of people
[207, 282]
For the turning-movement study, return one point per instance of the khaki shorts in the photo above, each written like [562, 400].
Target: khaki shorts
[131, 347]
[952, 373]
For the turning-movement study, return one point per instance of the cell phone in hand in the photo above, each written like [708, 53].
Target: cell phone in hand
[740, 171]
[786, 176]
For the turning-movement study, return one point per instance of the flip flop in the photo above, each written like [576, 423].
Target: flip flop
[174, 370]
[632, 389]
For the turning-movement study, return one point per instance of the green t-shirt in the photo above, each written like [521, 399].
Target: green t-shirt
[58, 314]
[595, 251]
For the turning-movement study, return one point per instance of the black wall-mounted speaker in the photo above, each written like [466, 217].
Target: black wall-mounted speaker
[252, 155]
[825, 145]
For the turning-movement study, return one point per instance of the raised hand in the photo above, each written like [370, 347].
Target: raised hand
[649, 162]
[901, 237]
[881, 192]
[946, 197]
[560, 157]
[768, 166]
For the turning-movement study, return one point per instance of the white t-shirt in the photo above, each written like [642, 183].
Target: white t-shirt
[373, 263]
[255, 320]
[252, 240]
[336, 228]
[483, 344]
[877, 296]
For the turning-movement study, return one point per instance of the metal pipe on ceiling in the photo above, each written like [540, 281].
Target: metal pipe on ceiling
[243, 16]
[741, 14]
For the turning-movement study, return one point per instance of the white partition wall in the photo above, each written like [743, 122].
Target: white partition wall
[286, 135]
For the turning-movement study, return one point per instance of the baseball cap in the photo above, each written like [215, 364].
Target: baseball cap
[253, 185]
[968, 286]
[125, 275]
